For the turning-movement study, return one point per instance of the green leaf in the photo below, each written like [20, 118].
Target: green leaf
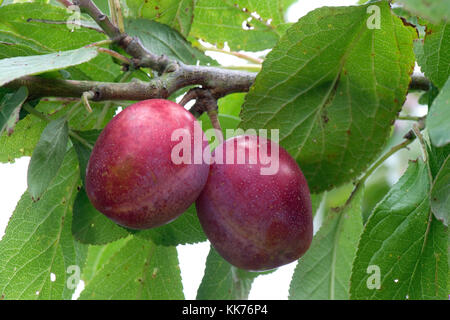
[324, 271]
[161, 39]
[140, 270]
[185, 229]
[23, 140]
[80, 120]
[10, 108]
[433, 56]
[436, 158]
[177, 14]
[231, 104]
[83, 151]
[17, 67]
[440, 193]
[220, 21]
[23, 34]
[435, 10]
[37, 248]
[222, 281]
[47, 157]
[438, 118]
[98, 256]
[91, 226]
[327, 89]
[374, 191]
[405, 243]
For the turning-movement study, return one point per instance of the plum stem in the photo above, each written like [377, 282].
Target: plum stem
[214, 117]
[205, 102]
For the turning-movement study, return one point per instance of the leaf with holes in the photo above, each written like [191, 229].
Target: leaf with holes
[140, 270]
[402, 253]
[324, 271]
[327, 89]
[38, 248]
[47, 157]
[244, 25]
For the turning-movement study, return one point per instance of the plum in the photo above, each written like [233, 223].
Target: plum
[256, 220]
[132, 177]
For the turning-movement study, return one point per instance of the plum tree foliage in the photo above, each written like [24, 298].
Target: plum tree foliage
[109, 102]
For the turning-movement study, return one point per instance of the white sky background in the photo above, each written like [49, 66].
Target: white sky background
[13, 183]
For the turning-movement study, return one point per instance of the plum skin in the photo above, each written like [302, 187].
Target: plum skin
[256, 222]
[131, 177]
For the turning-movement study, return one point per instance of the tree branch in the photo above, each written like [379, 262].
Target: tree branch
[220, 81]
[173, 75]
[87, 6]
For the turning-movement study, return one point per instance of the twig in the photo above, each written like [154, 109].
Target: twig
[360, 182]
[98, 43]
[410, 135]
[83, 141]
[116, 55]
[409, 118]
[108, 104]
[87, 6]
[248, 67]
[35, 113]
[214, 117]
[232, 53]
[85, 98]
[205, 102]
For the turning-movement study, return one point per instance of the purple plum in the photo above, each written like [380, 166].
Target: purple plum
[132, 177]
[255, 217]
